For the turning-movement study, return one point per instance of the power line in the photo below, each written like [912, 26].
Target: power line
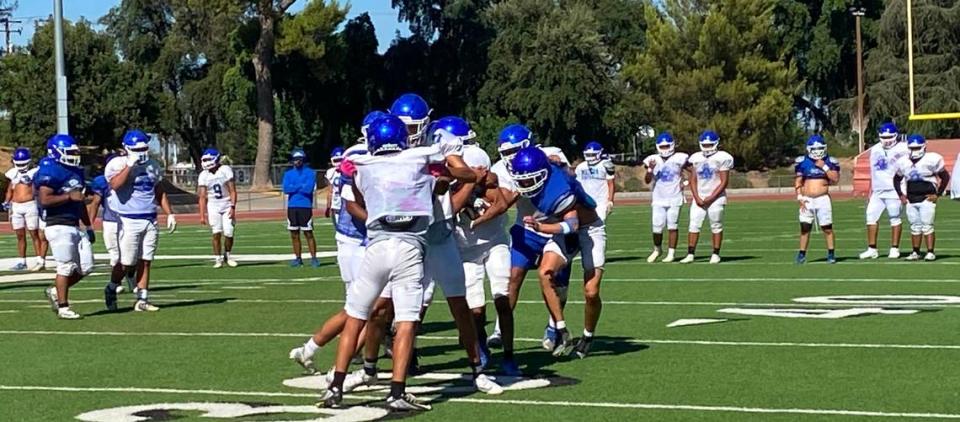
[6, 22]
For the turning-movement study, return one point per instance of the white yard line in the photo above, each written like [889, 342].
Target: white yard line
[606, 405]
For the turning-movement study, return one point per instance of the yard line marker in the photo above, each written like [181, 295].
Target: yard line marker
[529, 340]
[609, 405]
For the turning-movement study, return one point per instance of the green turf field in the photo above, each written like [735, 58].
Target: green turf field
[222, 336]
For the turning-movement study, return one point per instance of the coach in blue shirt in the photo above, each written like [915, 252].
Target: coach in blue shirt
[299, 183]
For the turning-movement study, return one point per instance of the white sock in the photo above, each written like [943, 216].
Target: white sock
[587, 333]
[226, 254]
[561, 325]
[42, 259]
[142, 295]
[551, 323]
[23, 260]
[671, 251]
[309, 348]
[496, 327]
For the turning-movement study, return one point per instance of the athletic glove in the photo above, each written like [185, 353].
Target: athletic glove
[133, 159]
[171, 223]
[91, 235]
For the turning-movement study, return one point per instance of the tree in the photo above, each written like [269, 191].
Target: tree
[717, 65]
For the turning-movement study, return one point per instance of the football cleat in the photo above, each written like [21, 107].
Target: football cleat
[894, 253]
[110, 298]
[913, 257]
[19, 267]
[495, 341]
[688, 259]
[870, 253]
[315, 262]
[715, 259]
[144, 306]
[297, 355]
[218, 263]
[549, 338]
[51, 293]
[406, 403]
[670, 256]
[486, 385]
[296, 262]
[509, 367]
[39, 266]
[831, 258]
[564, 343]
[67, 313]
[930, 257]
[231, 262]
[121, 289]
[358, 378]
[331, 399]
[583, 347]
[801, 258]
[653, 256]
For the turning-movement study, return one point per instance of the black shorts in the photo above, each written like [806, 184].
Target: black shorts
[300, 219]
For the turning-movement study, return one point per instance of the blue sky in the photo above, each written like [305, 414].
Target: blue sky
[384, 18]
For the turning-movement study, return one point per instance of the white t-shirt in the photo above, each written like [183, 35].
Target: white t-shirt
[504, 178]
[17, 177]
[447, 144]
[667, 176]
[556, 152]
[883, 166]
[136, 198]
[708, 170]
[218, 197]
[594, 180]
[925, 169]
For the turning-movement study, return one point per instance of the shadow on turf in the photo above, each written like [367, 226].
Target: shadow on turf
[738, 258]
[23, 286]
[206, 264]
[182, 304]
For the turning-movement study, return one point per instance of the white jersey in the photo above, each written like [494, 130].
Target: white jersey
[330, 174]
[446, 144]
[667, 177]
[21, 177]
[594, 180]
[218, 197]
[504, 178]
[883, 166]
[708, 171]
[137, 197]
[333, 180]
[556, 152]
[924, 170]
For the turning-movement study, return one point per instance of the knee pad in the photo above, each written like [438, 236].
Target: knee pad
[67, 269]
[927, 229]
[895, 221]
[716, 227]
[806, 227]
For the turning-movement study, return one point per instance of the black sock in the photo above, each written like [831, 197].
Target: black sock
[872, 246]
[830, 251]
[475, 369]
[916, 250]
[930, 250]
[370, 367]
[691, 250]
[716, 251]
[508, 354]
[338, 378]
[895, 246]
[63, 305]
[802, 252]
[397, 389]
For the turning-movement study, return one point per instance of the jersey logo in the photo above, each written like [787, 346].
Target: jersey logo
[667, 175]
[706, 172]
[881, 164]
[914, 176]
[144, 183]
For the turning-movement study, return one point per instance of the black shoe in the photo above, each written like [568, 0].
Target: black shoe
[582, 347]
[331, 399]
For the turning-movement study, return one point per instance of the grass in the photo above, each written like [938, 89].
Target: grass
[222, 335]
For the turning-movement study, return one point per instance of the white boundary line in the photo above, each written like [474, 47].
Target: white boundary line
[609, 405]
[528, 340]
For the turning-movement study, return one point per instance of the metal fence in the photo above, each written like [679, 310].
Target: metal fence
[243, 176]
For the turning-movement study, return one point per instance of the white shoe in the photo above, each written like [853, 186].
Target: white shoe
[218, 263]
[51, 293]
[870, 253]
[688, 259]
[894, 253]
[930, 257]
[714, 259]
[144, 306]
[120, 289]
[67, 313]
[297, 355]
[358, 378]
[913, 257]
[486, 385]
[39, 266]
[669, 258]
[653, 256]
[231, 263]
[408, 402]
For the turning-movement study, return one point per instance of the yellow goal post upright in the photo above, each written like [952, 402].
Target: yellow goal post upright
[913, 108]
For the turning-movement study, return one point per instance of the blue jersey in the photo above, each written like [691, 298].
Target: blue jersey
[345, 224]
[102, 188]
[299, 185]
[61, 179]
[560, 193]
[806, 167]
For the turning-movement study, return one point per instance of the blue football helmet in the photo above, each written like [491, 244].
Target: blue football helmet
[917, 145]
[415, 113]
[816, 147]
[530, 168]
[135, 142]
[63, 149]
[665, 145]
[21, 159]
[336, 156]
[387, 135]
[593, 152]
[709, 141]
[889, 135]
[512, 139]
[210, 158]
[369, 118]
[456, 126]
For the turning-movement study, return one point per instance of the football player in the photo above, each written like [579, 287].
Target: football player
[59, 185]
[815, 172]
[553, 203]
[596, 174]
[24, 216]
[111, 228]
[332, 176]
[883, 167]
[135, 191]
[218, 204]
[299, 183]
[664, 170]
[926, 179]
[709, 176]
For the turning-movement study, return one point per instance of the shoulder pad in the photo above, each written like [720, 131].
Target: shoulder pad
[833, 160]
[800, 159]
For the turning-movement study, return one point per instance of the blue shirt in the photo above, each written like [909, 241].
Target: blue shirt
[299, 184]
[102, 188]
[561, 192]
[61, 179]
[806, 167]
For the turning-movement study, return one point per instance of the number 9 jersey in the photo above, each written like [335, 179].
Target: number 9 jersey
[218, 197]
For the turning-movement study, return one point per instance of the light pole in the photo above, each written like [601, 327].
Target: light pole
[858, 12]
[63, 122]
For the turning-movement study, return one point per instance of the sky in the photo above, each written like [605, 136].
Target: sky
[384, 18]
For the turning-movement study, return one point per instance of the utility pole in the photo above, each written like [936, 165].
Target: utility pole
[6, 22]
[63, 122]
[858, 12]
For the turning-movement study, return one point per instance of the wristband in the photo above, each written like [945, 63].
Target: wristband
[825, 168]
[565, 228]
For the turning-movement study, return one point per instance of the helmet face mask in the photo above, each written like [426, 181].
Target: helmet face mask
[709, 143]
[665, 145]
[593, 153]
[415, 114]
[917, 145]
[21, 159]
[888, 135]
[64, 150]
[210, 159]
[816, 147]
[530, 168]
